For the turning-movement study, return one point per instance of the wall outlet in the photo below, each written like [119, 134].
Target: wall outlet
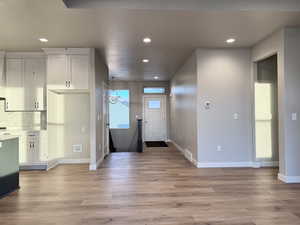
[219, 148]
[77, 148]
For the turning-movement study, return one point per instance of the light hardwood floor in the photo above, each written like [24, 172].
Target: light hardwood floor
[158, 187]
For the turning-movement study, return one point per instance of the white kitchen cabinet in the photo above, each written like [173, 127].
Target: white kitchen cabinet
[79, 71]
[33, 153]
[57, 71]
[2, 78]
[25, 82]
[14, 89]
[68, 69]
[35, 82]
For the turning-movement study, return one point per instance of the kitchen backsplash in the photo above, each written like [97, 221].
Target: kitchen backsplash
[22, 120]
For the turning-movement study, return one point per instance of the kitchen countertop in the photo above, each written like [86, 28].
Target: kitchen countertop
[7, 137]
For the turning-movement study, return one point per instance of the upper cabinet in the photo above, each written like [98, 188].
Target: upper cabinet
[2, 78]
[68, 69]
[25, 82]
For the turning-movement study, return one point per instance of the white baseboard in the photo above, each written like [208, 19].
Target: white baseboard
[187, 154]
[224, 164]
[269, 164]
[74, 161]
[52, 163]
[97, 164]
[289, 179]
[60, 161]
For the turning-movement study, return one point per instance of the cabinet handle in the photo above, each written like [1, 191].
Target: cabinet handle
[37, 105]
[69, 83]
[66, 83]
[34, 105]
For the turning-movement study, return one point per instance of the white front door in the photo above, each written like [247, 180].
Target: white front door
[155, 125]
[105, 140]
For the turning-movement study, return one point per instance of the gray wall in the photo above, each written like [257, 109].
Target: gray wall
[98, 76]
[124, 138]
[292, 102]
[224, 80]
[183, 107]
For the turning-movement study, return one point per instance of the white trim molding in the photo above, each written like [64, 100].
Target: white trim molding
[224, 164]
[96, 165]
[74, 161]
[185, 152]
[289, 179]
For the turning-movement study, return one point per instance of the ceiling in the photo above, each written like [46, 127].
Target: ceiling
[118, 33]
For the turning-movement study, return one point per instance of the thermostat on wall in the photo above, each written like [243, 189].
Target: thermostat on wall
[207, 105]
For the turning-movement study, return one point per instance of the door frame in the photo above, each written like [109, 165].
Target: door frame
[105, 151]
[164, 98]
[254, 68]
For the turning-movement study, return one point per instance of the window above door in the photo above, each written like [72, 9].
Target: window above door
[154, 90]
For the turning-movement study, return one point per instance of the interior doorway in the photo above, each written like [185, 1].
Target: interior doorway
[266, 112]
[155, 123]
[105, 132]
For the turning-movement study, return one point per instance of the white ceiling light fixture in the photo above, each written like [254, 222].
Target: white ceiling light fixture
[230, 40]
[43, 40]
[156, 77]
[146, 60]
[147, 40]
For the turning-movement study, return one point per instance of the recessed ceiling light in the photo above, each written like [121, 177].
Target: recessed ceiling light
[156, 77]
[230, 40]
[146, 60]
[43, 40]
[147, 40]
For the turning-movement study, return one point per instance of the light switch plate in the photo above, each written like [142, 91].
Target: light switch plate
[236, 116]
[294, 116]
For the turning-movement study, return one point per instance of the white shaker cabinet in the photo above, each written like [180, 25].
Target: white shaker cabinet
[68, 69]
[14, 89]
[25, 84]
[79, 71]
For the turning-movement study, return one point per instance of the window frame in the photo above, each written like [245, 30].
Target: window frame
[154, 93]
[129, 110]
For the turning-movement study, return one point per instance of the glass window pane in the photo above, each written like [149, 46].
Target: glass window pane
[119, 109]
[154, 90]
[154, 104]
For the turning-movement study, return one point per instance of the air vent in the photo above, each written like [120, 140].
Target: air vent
[77, 148]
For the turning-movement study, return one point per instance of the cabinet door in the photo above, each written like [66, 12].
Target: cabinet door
[29, 86]
[35, 81]
[79, 71]
[57, 75]
[15, 100]
[2, 83]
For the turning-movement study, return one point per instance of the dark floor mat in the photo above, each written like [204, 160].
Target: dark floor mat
[151, 144]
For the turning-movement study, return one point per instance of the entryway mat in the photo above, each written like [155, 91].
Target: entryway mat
[152, 144]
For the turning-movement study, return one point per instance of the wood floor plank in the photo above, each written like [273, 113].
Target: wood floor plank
[157, 187]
